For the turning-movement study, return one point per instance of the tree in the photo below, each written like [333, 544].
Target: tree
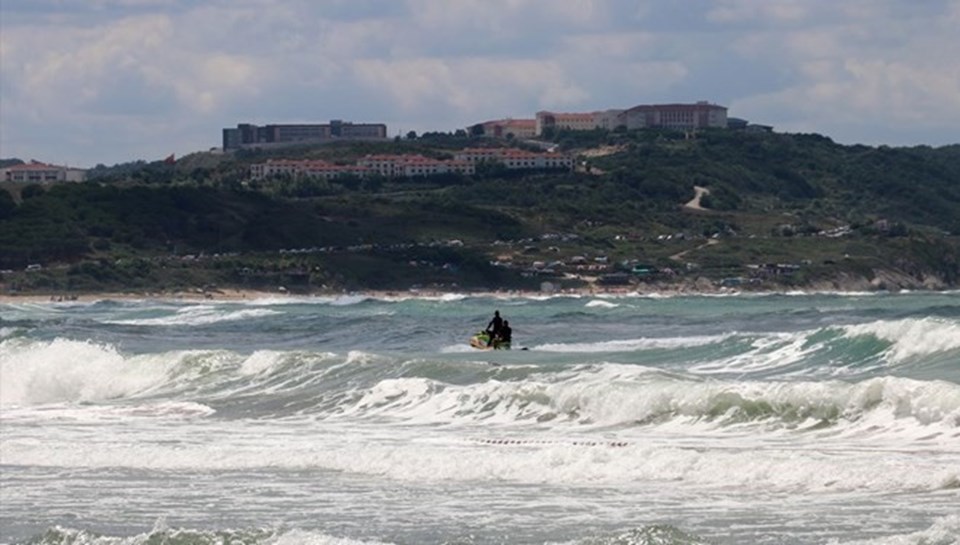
[7, 204]
[412, 135]
[31, 191]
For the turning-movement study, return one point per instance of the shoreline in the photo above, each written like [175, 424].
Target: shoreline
[245, 295]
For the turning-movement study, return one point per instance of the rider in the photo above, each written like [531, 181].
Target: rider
[505, 333]
[493, 328]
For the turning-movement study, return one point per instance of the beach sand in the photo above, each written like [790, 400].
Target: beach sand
[251, 295]
[224, 295]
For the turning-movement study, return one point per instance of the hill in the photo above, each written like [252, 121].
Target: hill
[774, 211]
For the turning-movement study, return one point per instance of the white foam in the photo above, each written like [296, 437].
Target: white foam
[65, 412]
[911, 337]
[348, 300]
[303, 537]
[627, 345]
[943, 531]
[164, 534]
[767, 352]
[200, 315]
[611, 395]
[261, 361]
[598, 303]
[457, 349]
[38, 372]
[490, 453]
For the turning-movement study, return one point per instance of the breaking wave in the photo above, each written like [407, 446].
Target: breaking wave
[276, 383]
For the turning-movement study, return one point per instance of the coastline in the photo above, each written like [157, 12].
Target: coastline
[185, 295]
[246, 295]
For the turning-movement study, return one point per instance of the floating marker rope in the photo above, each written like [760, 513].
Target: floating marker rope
[615, 444]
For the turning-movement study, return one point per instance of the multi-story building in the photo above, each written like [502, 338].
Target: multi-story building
[675, 116]
[305, 168]
[393, 166]
[410, 166]
[546, 121]
[510, 128]
[513, 158]
[247, 135]
[38, 172]
[608, 119]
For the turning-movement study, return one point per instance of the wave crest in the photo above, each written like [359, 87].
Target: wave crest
[38, 372]
[911, 337]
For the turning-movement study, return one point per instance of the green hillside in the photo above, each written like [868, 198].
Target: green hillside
[778, 211]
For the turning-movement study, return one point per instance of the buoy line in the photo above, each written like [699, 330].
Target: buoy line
[612, 444]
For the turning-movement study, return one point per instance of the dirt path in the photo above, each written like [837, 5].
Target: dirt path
[694, 203]
[679, 256]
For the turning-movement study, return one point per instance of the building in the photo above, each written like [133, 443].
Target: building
[398, 166]
[509, 128]
[305, 168]
[516, 159]
[548, 121]
[247, 135]
[604, 119]
[672, 116]
[700, 115]
[37, 172]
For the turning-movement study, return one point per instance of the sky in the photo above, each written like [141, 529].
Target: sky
[84, 82]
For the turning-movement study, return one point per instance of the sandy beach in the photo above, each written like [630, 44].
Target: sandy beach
[226, 295]
[248, 295]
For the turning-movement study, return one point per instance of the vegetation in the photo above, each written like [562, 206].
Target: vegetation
[782, 210]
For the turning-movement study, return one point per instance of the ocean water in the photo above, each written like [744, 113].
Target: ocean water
[745, 419]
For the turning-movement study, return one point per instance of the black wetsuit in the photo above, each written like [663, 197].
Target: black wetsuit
[505, 334]
[494, 327]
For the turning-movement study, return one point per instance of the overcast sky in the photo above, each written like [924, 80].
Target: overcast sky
[107, 81]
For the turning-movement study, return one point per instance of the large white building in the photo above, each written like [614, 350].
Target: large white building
[37, 172]
[673, 116]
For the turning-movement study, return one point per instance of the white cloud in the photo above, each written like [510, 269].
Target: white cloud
[172, 72]
[504, 15]
[610, 46]
[468, 85]
[780, 11]
[864, 67]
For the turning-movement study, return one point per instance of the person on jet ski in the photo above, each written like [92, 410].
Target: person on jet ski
[494, 327]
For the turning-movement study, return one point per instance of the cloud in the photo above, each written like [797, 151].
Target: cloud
[149, 75]
[865, 71]
[737, 11]
[422, 85]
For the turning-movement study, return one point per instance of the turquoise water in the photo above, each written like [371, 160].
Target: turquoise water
[788, 419]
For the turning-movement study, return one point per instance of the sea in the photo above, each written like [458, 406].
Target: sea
[783, 418]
